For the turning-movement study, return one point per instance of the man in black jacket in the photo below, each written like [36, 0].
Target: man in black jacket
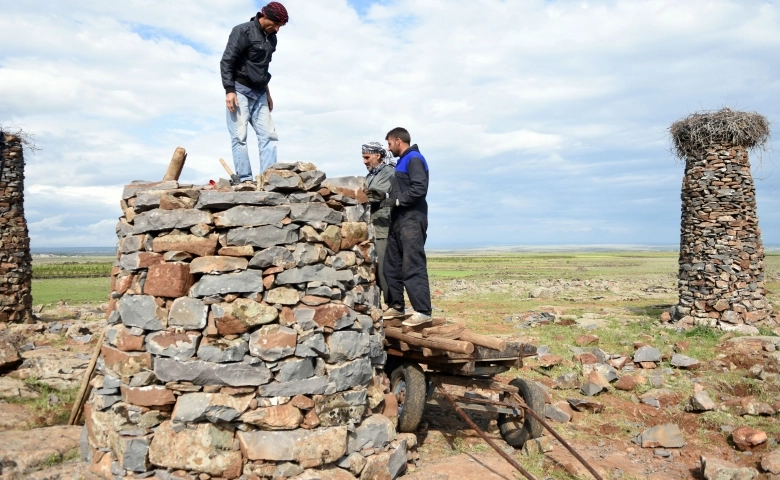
[405, 263]
[245, 77]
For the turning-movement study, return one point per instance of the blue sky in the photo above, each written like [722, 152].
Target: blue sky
[544, 122]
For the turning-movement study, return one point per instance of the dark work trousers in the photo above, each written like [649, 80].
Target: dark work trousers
[380, 244]
[405, 264]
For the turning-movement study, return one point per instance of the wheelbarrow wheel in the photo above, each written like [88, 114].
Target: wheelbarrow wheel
[512, 430]
[409, 387]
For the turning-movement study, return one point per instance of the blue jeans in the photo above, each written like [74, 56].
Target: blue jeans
[257, 114]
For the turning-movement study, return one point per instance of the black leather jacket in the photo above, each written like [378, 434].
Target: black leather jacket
[247, 56]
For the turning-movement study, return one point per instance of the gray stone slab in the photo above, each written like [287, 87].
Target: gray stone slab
[263, 237]
[221, 200]
[375, 431]
[312, 179]
[247, 281]
[295, 369]
[312, 346]
[683, 361]
[135, 457]
[347, 345]
[647, 354]
[314, 273]
[155, 220]
[189, 313]
[222, 350]
[309, 386]
[180, 346]
[249, 216]
[138, 186]
[139, 311]
[349, 375]
[207, 373]
[314, 212]
[272, 257]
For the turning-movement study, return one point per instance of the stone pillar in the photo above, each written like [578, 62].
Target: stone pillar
[721, 275]
[245, 335]
[15, 259]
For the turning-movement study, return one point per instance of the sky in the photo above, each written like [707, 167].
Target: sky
[543, 122]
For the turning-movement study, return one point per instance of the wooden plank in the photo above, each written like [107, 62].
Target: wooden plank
[444, 331]
[483, 340]
[435, 322]
[412, 338]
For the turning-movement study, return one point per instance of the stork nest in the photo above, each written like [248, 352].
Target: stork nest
[725, 126]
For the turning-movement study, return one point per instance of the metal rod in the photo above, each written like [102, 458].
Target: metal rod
[557, 437]
[490, 442]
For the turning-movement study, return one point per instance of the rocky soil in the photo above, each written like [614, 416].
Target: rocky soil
[637, 397]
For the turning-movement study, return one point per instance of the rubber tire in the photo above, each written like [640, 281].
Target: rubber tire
[411, 412]
[512, 431]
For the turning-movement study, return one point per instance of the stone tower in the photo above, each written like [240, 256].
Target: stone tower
[15, 259]
[721, 275]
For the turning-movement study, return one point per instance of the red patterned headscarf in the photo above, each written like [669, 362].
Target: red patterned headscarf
[275, 12]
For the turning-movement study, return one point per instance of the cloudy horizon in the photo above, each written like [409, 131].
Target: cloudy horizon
[544, 122]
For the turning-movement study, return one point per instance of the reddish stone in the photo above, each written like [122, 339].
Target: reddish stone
[310, 420]
[327, 315]
[151, 396]
[273, 270]
[128, 343]
[390, 409]
[748, 439]
[586, 358]
[235, 251]
[126, 364]
[286, 316]
[628, 383]
[169, 280]
[218, 263]
[313, 300]
[353, 233]
[583, 340]
[648, 365]
[268, 281]
[200, 246]
[147, 259]
[122, 284]
[302, 402]
[332, 237]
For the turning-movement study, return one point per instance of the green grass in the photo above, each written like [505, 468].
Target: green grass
[71, 270]
[71, 290]
[45, 413]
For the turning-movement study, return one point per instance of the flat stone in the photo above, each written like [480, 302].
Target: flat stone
[212, 407]
[700, 402]
[206, 373]
[682, 361]
[628, 383]
[312, 346]
[314, 273]
[605, 370]
[180, 346]
[139, 260]
[135, 453]
[353, 233]
[331, 315]
[249, 216]
[307, 447]
[647, 354]
[151, 396]
[375, 431]
[747, 438]
[277, 417]
[556, 413]
[590, 388]
[584, 340]
[585, 405]
[174, 256]
[309, 386]
[281, 180]
[171, 280]
[247, 281]
[349, 375]
[314, 212]
[242, 251]
[347, 345]
[200, 246]
[137, 187]
[352, 187]
[309, 254]
[597, 378]
[158, 219]
[272, 342]
[273, 257]
[218, 264]
[295, 369]
[341, 409]
[718, 469]
[220, 200]
[771, 462]
[140, 311]
[549, 360]
[189, 313]
[125, 363]
[263, 237]
[331, 236]
[567, 381]
[241, 315]
[201, 447]
[282, 296]
[222, 350]
[133, 243]
[666, 436]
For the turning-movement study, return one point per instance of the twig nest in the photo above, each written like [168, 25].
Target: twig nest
[725, 126]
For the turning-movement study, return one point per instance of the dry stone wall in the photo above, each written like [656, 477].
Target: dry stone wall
[245, 338]
[15, 259]
[721, 276]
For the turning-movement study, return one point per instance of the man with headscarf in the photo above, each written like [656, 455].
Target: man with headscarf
[245, 77]
[380, 165]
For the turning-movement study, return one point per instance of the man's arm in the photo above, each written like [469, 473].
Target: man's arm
[418, 185]
[232, 52]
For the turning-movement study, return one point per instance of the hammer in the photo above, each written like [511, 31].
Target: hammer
[233, 177]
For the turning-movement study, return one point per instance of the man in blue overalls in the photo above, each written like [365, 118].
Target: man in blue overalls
[405, 263]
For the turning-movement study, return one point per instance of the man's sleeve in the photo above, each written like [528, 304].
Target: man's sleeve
[418, 185]
[227, 64]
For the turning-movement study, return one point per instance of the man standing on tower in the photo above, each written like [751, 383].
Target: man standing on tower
[405, 262]
[245, 77]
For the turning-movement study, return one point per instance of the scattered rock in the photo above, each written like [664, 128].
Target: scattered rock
[747, 438]
[647, 354]
[718, 469]
[666, 436]
[682, 361]
[584, 405]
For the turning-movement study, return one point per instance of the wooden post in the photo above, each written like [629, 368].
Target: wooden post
[83, 394]
[483, 340]
[417, 339]
[176, 165]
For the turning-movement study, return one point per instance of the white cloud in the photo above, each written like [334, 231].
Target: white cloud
[525, 110]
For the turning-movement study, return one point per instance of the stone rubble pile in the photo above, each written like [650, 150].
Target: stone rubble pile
[721, 276]
[245, 337]
[15, 259]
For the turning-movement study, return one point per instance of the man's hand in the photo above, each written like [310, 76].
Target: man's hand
[231, 101]
[375, 195]
[270, 100]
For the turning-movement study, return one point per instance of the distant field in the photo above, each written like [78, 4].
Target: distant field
[72, 290]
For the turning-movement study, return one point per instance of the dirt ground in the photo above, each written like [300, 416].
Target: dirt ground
[552, 313]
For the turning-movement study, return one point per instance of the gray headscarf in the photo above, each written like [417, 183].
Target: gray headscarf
[376, 147]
